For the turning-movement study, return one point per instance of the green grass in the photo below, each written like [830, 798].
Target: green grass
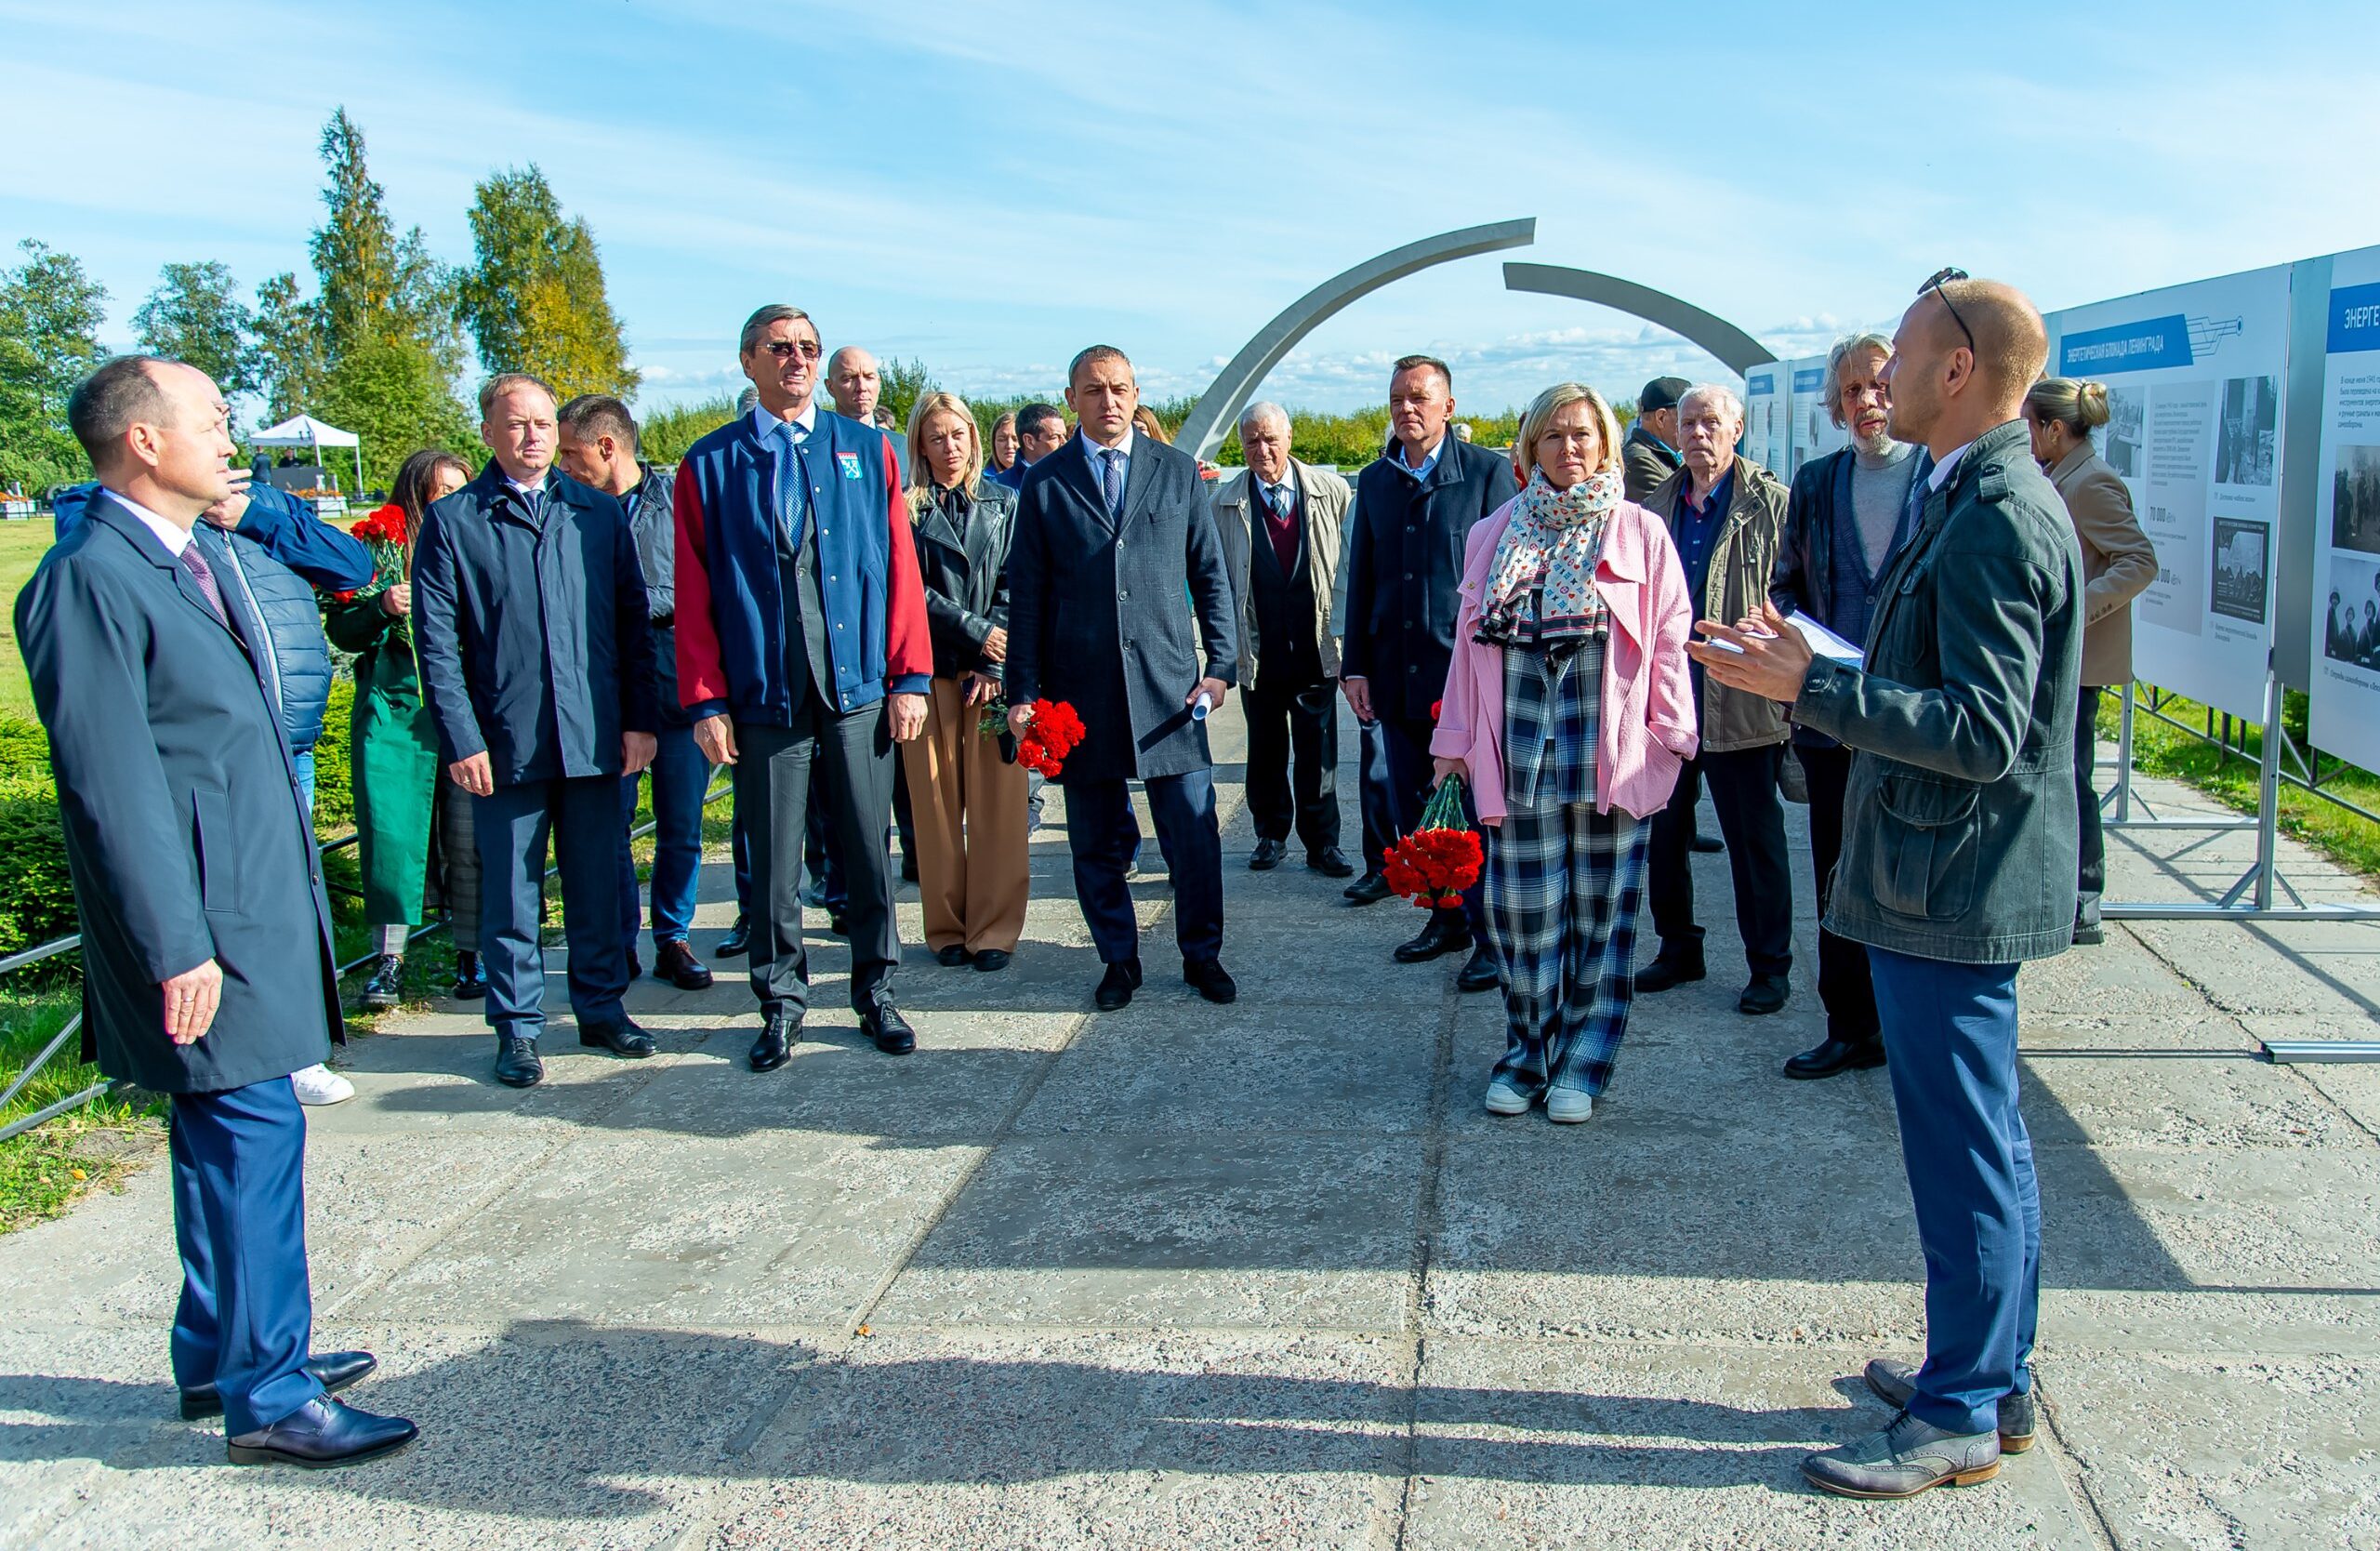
[21, 547]
[2232, 780]
[43, 1171]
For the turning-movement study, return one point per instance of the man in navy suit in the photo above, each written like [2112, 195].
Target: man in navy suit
[207, 940]
[1111, 531]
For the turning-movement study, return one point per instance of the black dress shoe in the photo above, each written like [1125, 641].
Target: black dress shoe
[1709, 845]
[1115, 987]
[675, 963]
[1831, 1055]
[908, 869]
[516, 1062]
[1330, 862]
[621, 1039]
[1212, 980]
[951, 957]
[1448, 933]
[1370, 889]
[333, 1371]
[991, 960]
[1666, 971]
[885, 1023]
[738, 941]
[322, 1435]
[1267, 855]
[382, 991]
[470, 979]
[1765, 994]
[1479, 974]
[780, 1031]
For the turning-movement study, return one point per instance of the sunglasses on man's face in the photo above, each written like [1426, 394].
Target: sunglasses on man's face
[783, 349]
[1935, 285]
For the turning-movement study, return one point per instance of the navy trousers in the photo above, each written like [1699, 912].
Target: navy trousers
[1102, 834]
[1950, 1036]
[247, 1320]
[1412, 776]
[581, 817]
[1752, 817]
[680, 777]
[1376, 794]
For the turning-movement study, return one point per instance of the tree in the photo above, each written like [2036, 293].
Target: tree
[534, 299]
[51, 312]
[193, 316]
[899, 386]
[284, 361]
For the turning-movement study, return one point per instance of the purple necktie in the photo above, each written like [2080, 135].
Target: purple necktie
[201, 573]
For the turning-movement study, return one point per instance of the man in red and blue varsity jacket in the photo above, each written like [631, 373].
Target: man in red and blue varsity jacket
[801, 642]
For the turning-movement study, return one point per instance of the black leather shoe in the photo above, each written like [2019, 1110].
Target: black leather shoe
[1448, 933]
[780, 1031]
[1370, 889]
[1479, 974]
[622, 1037]
[953, 956]
[333, 1371]
[1708, 845]
[470, 979]
[1330, 862]
[675, 963]
[1831, 1055]
[885, 1023]
[1665, 972]
[322, 1435]
[516, 1062]
[1765, 994]
[738, 941]
[382, 991]
[1267, 855]
[992, 960]
[1212, 980]
[1115, 987]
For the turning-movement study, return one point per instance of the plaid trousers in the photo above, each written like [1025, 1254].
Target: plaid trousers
[1563, 885]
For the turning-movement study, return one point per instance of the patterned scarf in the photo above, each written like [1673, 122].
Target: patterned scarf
[1541, 589]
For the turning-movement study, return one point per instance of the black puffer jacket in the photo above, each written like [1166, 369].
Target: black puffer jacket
[962, 558]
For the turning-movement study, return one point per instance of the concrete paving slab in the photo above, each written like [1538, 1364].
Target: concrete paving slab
[2327, 967]
[2192, 1085]
[2301, 1219]
[2180, 1452]
[941, 1438]
[1588, 1443]
[1312, 1231]
[2119, 977]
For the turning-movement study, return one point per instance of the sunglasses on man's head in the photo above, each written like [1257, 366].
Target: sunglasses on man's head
[786, 349]
[1935, 285]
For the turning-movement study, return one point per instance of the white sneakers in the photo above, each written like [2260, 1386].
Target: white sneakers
[1505, 1099]
[1563, 1106]
[318, 1084]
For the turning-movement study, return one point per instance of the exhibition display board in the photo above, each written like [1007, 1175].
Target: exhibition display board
[1767, 413]
[1815, 433]
[2343, 690]
[2194, 376]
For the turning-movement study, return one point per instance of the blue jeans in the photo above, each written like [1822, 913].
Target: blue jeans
[1950, 1035]
[247, 1318]
[680, 776]
[304, 763]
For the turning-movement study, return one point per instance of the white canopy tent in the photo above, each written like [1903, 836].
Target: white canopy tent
[304, 431]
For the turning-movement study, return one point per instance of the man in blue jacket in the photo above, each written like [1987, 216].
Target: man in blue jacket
[537, 655]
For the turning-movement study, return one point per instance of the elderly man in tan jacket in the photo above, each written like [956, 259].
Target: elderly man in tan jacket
[1281, 521]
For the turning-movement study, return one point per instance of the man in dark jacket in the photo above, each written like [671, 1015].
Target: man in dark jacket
[1648, 453]
[207, 971]
[536, 658]
[1848, 515]
[598, 447]
[803, 650]
[1414, 509]
[1111, 532]
[1964, 863]
[1724, 514]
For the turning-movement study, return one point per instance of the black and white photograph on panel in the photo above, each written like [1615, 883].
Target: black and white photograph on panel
[2355, 500]
[2242, 557]
[2351, 617]
[2126, 415]
[2245, 446]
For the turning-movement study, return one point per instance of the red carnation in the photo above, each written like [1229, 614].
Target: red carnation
[1439, 859]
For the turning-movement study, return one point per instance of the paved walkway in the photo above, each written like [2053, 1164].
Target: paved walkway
[1189, 1276]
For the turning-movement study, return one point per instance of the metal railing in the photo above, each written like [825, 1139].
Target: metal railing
[717, 790]
[2307, 777]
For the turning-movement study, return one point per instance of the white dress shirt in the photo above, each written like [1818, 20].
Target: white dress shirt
[175, 540]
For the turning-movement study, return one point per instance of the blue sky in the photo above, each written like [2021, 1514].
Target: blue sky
[990, 187]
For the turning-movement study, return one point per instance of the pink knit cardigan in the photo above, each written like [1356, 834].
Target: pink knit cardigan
[1647, 726]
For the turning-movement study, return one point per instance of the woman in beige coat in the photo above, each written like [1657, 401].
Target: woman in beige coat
[2118, 561]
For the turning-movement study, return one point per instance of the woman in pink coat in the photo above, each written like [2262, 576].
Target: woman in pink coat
[1569, 710]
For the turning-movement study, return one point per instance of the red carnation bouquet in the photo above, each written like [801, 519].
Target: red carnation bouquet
[1054, 731]
[1437, 861]
[385, 534]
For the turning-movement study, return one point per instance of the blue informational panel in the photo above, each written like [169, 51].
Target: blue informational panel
[2343, 686]
[1768, 412]
[1815, 433]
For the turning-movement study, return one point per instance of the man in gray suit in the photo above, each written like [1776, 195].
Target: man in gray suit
[207, 939]
[1111, 530]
